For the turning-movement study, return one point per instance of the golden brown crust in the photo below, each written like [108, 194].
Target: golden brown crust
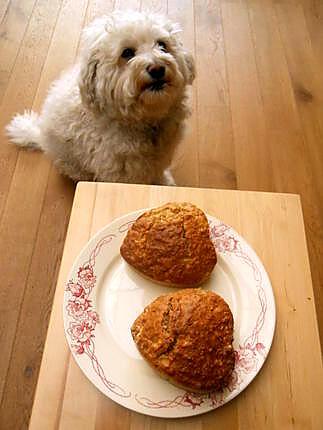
[187, 337]
[171, 245]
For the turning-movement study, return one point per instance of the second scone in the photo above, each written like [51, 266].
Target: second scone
[171, 245]
[187, 337]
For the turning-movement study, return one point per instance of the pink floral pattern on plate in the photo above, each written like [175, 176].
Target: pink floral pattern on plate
[83, 319]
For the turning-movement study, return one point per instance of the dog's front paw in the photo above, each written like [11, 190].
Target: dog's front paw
[167, 178]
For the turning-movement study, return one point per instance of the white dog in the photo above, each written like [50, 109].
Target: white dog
[118, 114]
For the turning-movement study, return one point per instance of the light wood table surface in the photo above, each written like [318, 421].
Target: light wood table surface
[288, 391]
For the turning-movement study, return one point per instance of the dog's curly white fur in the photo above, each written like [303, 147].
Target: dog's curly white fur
[118, 114]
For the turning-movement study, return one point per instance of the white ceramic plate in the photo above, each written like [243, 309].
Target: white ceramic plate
[103, 296]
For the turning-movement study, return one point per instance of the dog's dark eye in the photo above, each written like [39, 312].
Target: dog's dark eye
[162, 45]
[128, 53]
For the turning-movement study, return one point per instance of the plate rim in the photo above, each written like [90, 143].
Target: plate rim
[151, 411]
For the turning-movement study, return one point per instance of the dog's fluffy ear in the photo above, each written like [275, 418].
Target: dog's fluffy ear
[93, 37]
[190, 64]
[87, 83]
[174, 28]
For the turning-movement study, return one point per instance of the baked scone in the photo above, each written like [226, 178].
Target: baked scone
[187, 337]
[171, 245]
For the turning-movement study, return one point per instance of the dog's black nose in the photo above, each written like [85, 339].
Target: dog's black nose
[156, 72]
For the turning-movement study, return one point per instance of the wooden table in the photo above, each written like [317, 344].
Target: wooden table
[288, 392]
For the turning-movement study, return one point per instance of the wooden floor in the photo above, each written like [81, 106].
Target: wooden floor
[257, 124]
